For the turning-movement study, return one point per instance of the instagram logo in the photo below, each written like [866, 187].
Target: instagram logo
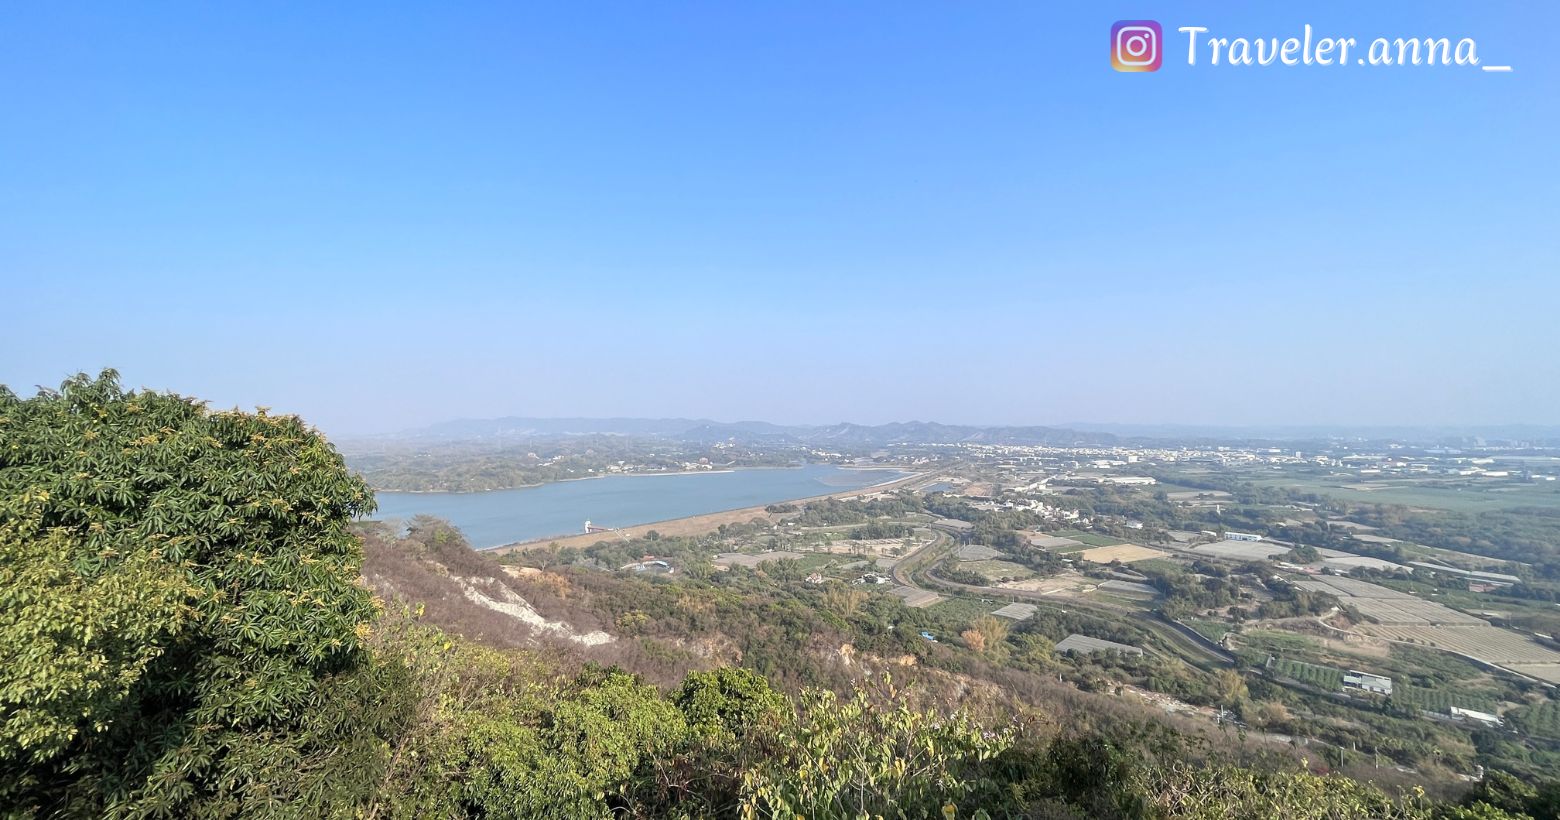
[1134, 45]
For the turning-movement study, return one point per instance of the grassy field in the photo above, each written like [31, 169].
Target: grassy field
[1161, 564]
[1279, 643]
[961, 610]
[1092, 539]
[819, 561]
[1212, 630]
[992, 569]
[1470, 496]
[1122, 601]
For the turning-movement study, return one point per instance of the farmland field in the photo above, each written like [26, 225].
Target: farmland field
[1469, 495]
[1384, 605]
[1119, 601]
[1242, 550]
[1125, 553]
[1542, 720]
[993, 570]
[1492, 644]
[1278, 642]
[960, 610]
[1090, 538]
[1440, 700]
[1157, 564]
[1410, 612]
[1325, 678]
[1489, 643]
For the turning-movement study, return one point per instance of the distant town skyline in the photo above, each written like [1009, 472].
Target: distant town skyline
[382, 219]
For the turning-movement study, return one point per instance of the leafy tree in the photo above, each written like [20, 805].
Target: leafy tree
[992, 630]
[843, 600]
[178, 595]
[1502, 791]
[1034, 649]
[1231, 686]
[851, 758]
[1304, 554]
[728, 702]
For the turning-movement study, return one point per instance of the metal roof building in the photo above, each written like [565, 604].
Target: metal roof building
[1370, 683]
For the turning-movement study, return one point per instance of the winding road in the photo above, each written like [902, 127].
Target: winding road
[907, 572]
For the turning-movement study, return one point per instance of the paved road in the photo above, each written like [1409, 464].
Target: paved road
[904, 566]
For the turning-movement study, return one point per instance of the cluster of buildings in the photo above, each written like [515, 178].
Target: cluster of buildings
[1085, 462]
[1383, 464]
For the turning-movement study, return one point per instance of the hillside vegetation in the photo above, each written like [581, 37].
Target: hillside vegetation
[188, 629]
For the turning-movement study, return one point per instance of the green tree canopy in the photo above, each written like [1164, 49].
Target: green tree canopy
[178, 596]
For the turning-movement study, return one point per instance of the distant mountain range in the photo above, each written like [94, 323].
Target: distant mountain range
[845, 435]
[862, 436]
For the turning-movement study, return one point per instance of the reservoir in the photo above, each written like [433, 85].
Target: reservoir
[498, 517]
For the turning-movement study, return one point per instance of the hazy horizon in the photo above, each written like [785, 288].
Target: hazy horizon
[878, 212]
[1085, 425]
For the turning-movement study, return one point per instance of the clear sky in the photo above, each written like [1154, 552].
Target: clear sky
[382, 215]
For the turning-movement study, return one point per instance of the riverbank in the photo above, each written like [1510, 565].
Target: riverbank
[699, 524]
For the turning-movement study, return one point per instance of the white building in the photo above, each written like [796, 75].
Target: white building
[1368, 682]
[1470, 714]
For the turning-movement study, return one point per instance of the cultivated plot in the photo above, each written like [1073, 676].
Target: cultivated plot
[994, 571]
[1487, 643]
[1241, 550]
[1126, 553]
[1064, 583]
[1387, 606]
[1130, 588]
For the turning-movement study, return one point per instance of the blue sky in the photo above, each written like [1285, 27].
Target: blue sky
[380, 216]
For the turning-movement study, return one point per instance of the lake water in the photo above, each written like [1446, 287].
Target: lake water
[499, 517]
